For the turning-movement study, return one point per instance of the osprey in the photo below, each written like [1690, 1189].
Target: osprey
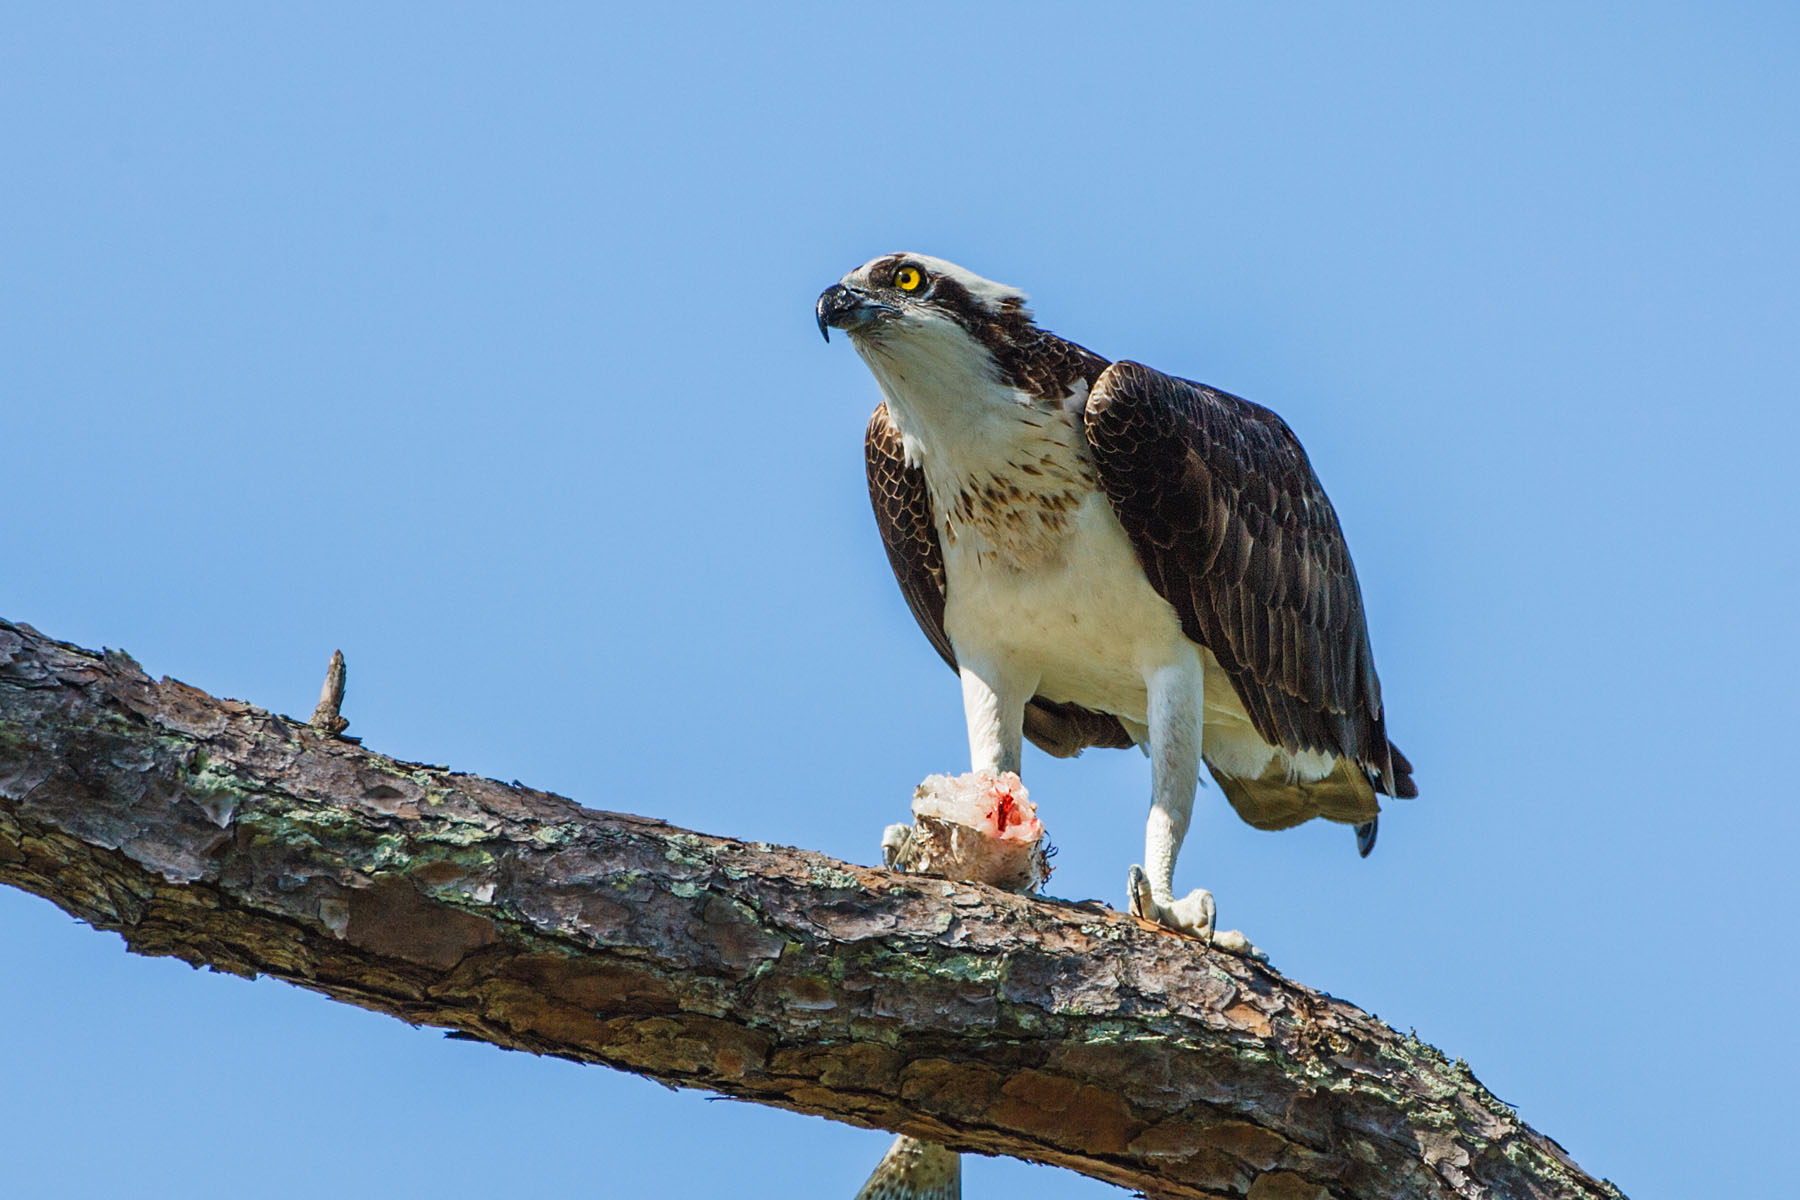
[1109, 556]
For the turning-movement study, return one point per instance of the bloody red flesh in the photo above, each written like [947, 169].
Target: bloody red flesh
[1006, 810]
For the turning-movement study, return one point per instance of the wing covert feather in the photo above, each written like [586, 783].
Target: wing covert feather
[1235, 531]
[908, 532]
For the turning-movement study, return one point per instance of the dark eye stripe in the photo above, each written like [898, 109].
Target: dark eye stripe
[883, 273]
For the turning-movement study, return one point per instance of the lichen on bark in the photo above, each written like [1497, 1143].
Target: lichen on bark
[988, 1022]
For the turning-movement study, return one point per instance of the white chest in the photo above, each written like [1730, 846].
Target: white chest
[1077, 616]
[1040, 578]
[1083, 624]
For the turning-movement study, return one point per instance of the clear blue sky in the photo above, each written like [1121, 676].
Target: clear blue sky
[478, 341]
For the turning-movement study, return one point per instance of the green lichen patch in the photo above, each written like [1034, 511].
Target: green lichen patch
[820, 875]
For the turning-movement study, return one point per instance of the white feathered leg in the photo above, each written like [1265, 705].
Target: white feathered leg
[994, 700]
[1176, 695]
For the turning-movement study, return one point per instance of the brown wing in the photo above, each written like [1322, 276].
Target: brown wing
[1234, 531]
[903, 513]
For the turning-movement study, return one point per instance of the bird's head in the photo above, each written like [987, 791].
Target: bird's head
[899, 298]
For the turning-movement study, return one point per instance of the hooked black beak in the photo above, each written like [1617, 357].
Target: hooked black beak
[846, 308]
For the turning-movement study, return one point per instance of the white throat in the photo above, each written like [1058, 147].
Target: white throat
[941, 385]
[1003, 467]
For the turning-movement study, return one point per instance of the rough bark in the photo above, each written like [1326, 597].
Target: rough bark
[994, 1023]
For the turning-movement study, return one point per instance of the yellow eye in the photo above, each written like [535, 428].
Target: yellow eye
[908, 279]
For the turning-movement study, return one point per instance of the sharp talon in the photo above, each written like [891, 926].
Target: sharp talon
[1137, 894]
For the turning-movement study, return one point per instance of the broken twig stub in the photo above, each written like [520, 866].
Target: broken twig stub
[326, 717]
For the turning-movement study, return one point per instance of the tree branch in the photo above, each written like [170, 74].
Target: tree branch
[989, 1022]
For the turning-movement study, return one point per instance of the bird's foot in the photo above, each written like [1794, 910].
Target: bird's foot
[1194, 914]
[897, 847]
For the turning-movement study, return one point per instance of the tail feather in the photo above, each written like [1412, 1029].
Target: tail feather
[1397, 779]
[915, 1170]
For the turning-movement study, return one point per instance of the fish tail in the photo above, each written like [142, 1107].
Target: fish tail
[915, 1170]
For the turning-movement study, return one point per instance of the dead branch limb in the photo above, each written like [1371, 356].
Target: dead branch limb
[988, 1022]
[327, 716]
